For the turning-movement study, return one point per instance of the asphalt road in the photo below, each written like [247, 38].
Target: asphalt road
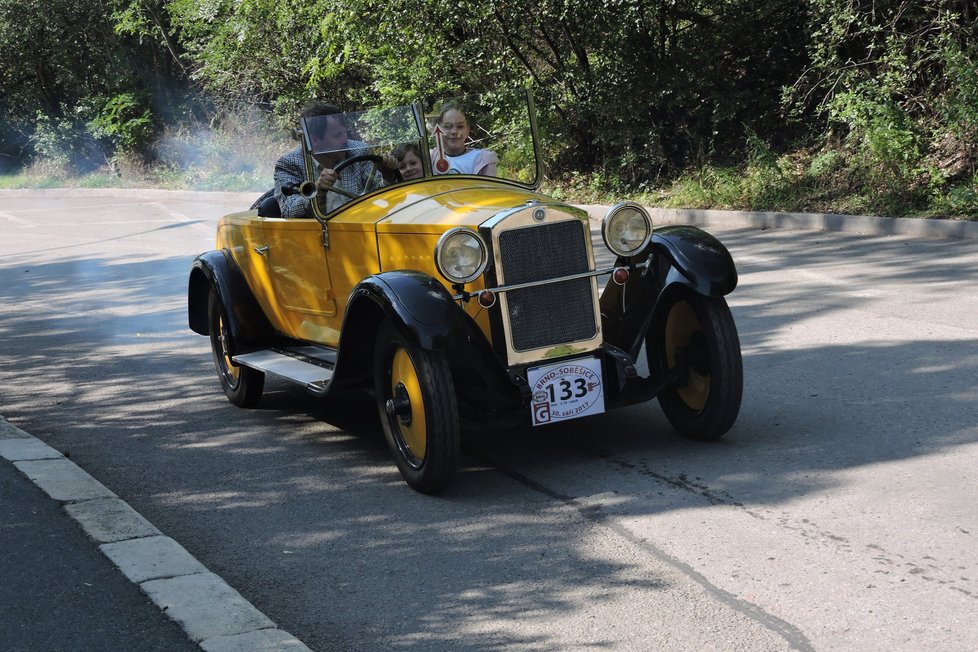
[838, 513]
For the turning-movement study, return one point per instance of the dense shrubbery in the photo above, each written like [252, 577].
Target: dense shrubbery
[896, 83]
[847, 105]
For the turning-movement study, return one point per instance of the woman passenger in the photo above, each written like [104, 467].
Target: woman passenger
[459, 158]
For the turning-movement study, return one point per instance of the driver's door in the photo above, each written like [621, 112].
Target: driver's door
[299, 277]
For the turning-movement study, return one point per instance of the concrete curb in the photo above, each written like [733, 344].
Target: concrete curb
[208, 609]
[864, 224]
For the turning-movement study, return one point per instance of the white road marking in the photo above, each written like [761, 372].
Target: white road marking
[82, 207]
[16, 220]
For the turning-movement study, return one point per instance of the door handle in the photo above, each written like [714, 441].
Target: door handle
[261, 251]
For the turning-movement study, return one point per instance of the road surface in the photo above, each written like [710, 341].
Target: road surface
[839, 513]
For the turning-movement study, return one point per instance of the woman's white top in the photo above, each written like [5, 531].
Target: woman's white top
[471, 162]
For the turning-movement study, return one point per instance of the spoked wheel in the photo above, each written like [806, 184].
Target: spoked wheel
[694, 338]
[242, 385]
[418, 410]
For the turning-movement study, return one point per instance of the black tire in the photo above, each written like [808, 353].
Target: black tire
[242, 385]
[696, 336]
[418, 410]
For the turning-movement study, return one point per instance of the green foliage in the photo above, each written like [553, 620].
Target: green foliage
[60, 59]
[707, 187]
[633, 88]
[125, 123]
[959, 107]
[63, 145]
[883, 142]
[896, 83]
[731, 98]
[824, 164]
[236, 154]
[827, 181]
[957, 200]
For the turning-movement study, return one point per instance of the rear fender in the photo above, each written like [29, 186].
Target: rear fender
[247, 322]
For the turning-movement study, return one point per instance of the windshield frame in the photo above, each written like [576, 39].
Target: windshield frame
[424, 136]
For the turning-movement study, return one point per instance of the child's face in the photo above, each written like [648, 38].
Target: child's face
[455, 130]
[410, 166]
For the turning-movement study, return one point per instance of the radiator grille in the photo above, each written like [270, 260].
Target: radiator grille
[555, 313]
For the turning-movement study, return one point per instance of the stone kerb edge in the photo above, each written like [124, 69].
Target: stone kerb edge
[210, 611]
[864, 224]
[245, 198]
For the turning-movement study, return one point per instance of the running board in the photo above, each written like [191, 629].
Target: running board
[312, 372]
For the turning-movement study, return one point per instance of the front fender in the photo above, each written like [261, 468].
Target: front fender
[699, 260]
[417, 304]
[247, 322]
[676, 255]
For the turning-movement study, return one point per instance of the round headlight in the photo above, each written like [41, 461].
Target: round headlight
[626, 229]
[461, 255]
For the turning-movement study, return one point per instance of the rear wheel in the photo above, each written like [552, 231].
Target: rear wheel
[242, 385]
[694, 337]
[418, 410]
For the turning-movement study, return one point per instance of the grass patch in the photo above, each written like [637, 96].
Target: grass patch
[826, 182]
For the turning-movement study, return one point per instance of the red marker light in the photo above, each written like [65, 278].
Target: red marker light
[620, 275]
[487, 299]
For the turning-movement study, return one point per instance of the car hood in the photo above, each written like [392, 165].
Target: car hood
[432, 206]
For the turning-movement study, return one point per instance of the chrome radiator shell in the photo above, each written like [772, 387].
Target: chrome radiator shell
[545, 320]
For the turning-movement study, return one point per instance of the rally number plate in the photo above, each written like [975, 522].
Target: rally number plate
[566, 390]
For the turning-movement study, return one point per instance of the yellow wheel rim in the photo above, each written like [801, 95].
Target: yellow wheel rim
[680, 327]
[414, 434]
[231, 370]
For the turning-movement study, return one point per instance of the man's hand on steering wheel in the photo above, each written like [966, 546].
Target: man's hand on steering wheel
[326, 180]
[328, 177]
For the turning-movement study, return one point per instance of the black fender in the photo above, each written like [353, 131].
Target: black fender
[417, 304]
[698, 259]
[677, 256]
[247, 322]
[421, 308]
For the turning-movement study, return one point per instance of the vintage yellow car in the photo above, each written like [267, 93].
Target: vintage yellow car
[449, 287]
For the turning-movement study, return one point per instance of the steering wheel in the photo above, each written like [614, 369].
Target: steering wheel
[378, 162]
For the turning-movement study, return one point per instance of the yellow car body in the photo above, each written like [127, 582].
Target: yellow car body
[396, 231]
[464, 299]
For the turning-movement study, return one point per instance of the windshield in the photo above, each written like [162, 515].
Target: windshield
[372, 129]
[490, 135]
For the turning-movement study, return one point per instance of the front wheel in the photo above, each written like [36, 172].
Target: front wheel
[418, 410]
[242, 385]
[694, 338]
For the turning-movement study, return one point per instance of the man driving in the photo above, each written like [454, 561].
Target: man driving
[331, 146]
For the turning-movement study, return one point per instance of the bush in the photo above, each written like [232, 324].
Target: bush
[125, 124]
[63, 146]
